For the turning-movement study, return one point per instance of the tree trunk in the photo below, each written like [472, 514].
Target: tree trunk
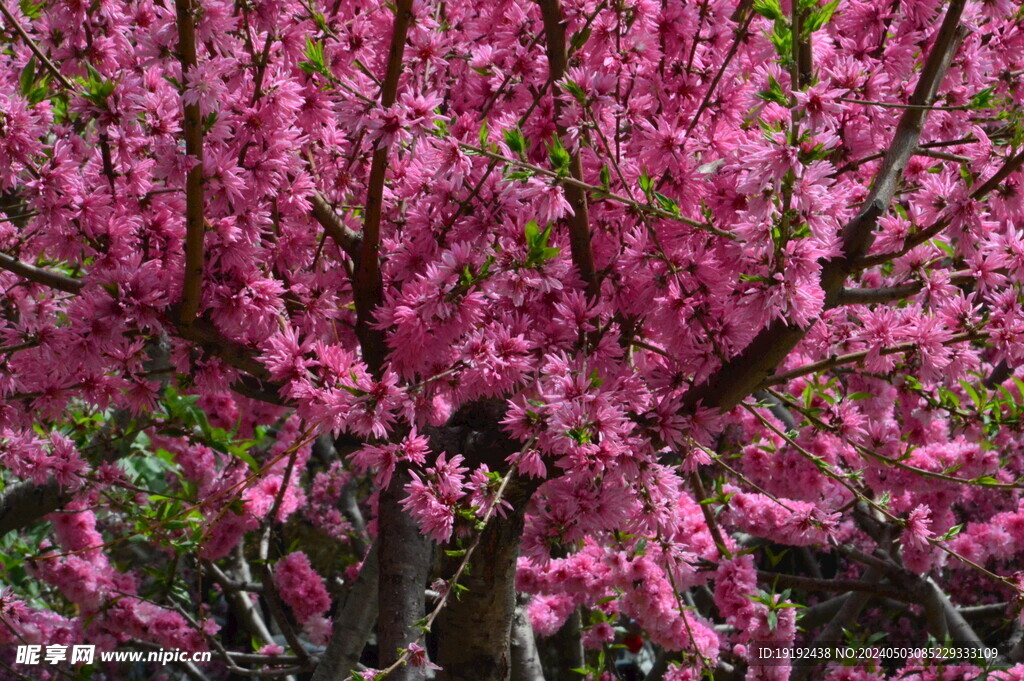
[526, 664]
[404, 566]
[474, 630]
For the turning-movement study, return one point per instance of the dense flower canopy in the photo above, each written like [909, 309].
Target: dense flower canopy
[705, 282]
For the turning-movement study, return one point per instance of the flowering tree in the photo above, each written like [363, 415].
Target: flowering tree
[508, 334]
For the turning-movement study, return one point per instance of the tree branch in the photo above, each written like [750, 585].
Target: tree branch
[525, 658]
[404, 566]
[352, 625]
[40, 55]
[888, 294]
[366, 279]
[579, 222]
[742, 374]
[1011, 165]
[26, 503]
[195, 223]
[204, 334]
[852, 357]
[841, 585]
[40, 276]
[239, 601]
[346, 238]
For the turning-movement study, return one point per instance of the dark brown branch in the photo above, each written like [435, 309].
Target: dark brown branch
[241, 604]
[882, 294]
[742, 374]
[346, 238]
[39, 275]
[579, 221]
[1011, 165]
[368, 288]
[204, 334]
[888, 294]
[853, 357]
[192, 124]
[838, 585]
[1000, 373]
[474, 631]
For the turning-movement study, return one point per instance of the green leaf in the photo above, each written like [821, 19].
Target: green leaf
[668, 205]
[484, 132]
[645, 182]
[782, 39]
[984, 99]
[32, 10]
[245, 456]
[515, 141]
[769, 9]
[952, 532]
[532, 232]
[559, 156]
[975, 396]
[774, 93]
[821, 16]
[28, 76]
[575, 90]
[315, 60]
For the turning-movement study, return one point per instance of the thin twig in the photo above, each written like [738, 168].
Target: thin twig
[40, 55]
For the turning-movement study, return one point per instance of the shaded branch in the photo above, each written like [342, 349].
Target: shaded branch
[840, 585]
[346, 238]
[26, 503]
[367, 284]
[192, 125]
[203, 333]
[579, 221]
[853, 357]
[40, 276]
[240, 602]
[352, 625]
[742, 374]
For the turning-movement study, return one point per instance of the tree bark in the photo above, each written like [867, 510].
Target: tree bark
[26, 503]
[474, 630]
[352, 625]
[525, 658]
[404, 566]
